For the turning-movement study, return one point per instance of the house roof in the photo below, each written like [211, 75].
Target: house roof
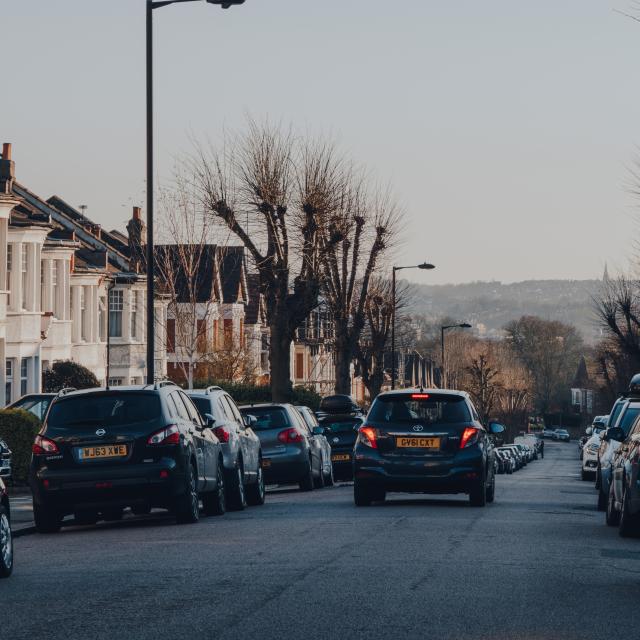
[233, 274]
[253, 311]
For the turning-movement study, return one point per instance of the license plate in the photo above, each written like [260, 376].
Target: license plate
[266, 463]
[106, 451]
[412, 442]
[340, 457]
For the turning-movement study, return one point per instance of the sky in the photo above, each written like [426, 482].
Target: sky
[508, 128]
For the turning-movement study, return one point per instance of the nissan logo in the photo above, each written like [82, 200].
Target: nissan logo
[418, 427]
[100, 432]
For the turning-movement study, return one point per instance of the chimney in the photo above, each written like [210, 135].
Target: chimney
[136, 213]
[135, 230]
[7, 169]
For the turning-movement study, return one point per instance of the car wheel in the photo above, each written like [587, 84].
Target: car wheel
[491, 490]
[478, 493]
[306, 483]
[46, 520]
[363, 495]
[613, 515]
[628, 526]
[236, 496]
[602, 500]
[6, 544]
[188, 504]
[256, 492]
[318, 482]
[85, 518]
[583, 474]
[598, 478]
[328, 479]
[215, 502]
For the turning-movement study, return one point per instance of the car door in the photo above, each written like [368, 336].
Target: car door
[209, 440]
[249, 444]
[194, 433]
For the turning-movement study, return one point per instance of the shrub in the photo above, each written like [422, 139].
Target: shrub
[18, 429]
[67, 373]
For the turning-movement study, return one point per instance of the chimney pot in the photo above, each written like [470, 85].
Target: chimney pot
[6, 151]
[136, 213]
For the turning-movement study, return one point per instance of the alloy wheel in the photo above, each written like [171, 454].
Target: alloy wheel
[6, 546]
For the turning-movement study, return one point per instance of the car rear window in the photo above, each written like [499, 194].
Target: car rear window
[268, 417]
[107, 409]
[203, 405]
[431, 409]
[628, 418]
[340, 426]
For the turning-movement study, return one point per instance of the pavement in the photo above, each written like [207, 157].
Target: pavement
[537, 564]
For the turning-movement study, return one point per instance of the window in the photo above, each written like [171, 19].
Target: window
[24, 375]
[42, 291]
[180, 406]
[83, 316]
[194, 416]
[102, 318]
[201, 335]
[171, 335]
[269, 418]
[116, 304]
[9, 267]
[299, 366]
[228, 334]
[115, 382]
[234, 410]
[134, 315]
[25, 280]
[8, 381]
[135, 380]
[54, 288]
[429, 409]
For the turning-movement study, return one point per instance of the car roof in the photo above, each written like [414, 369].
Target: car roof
[125, 388]
[264, 405]
[445, 392]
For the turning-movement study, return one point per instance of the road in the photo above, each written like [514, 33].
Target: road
[538, 563]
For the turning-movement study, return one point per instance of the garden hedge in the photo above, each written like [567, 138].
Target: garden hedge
[18, 429]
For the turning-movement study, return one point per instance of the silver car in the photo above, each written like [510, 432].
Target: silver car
[313, 424]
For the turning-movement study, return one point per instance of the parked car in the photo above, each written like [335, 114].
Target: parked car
[421, 441]
[609, 445]
[341, 432]
[241, 449]
[312, 422]
[531, 449]
[623, 506]
[6, 538]
[590, 457]
[102, 450]
[292, 453]
[510, 455]
[517, 454]
[5, 460]
[535, 441]
[37, 403]
[504, 462]
[549, 433]
[339, 404]
[562, 435]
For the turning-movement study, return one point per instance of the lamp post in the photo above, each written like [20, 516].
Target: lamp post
[151, 5]
[463, 325]
[425, 266]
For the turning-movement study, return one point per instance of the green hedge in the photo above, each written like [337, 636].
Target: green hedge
[248, 393]
[18, 429]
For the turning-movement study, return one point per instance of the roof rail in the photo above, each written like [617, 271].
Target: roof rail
[65, 390]
[213, 387]
[164, 383]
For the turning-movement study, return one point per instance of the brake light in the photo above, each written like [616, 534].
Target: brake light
[419, 396]
[290, 436]
[43, 446]
[222, 434]
[368, 437]
[168, 435]
[469, 437]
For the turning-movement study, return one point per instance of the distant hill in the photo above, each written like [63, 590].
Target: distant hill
[490, 305]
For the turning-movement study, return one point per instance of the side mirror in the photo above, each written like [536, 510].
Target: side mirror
[249, 420]
[589, 431]
[614, 433]
[496, 428]
[318, 431]
[210, 421]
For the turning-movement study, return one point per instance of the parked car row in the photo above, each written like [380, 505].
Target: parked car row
[556, 433]
[525, 449]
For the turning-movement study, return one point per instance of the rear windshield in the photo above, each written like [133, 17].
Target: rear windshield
[340, 426]
[202, 404]
[105, 409]
[268, 418]
[628, 418]
[433, 409]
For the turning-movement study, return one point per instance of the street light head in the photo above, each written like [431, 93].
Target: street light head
[225, 3]
[426, 265]
[465, 325]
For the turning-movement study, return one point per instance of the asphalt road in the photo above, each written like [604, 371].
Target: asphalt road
[538, 563]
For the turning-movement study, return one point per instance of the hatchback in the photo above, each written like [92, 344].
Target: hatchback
[341, 432]
[420, 441]
[102, 450]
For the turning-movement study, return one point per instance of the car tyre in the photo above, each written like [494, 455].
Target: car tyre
[363, 496]
[598, 478]
[306, 483]
[329, 480]
[612, 516]
[583, 474]
[318, 482]
[46, 520]
[188, 504]
[478, 493]
[256, 492]
[602, 500]
[628, 525]
[215, 502]
[236, 496]
[491, 490]
[6, 544]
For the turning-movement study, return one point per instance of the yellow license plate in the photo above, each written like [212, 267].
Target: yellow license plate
[340, 457]
[107, 451]
[266, 463]
[412, 442]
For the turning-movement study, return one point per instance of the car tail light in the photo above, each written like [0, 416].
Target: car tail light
[222, 434]
[168, 435]
[368, 437]
[469, 437]
[419, 396]
[290, 436]
[44, 446]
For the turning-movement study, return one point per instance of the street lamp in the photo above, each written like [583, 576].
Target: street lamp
[425, 266]
[463, 325]
[151, 5]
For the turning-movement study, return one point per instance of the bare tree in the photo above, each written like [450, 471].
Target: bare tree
[483, 384]
[355, 239]
[275, 202]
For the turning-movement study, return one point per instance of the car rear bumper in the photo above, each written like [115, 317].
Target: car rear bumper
[155, 484]
[284, 468]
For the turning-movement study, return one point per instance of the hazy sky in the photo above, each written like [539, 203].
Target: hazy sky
[507, 126]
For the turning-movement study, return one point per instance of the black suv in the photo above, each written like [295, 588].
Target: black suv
[241, 450]
[6, 539]
[101, 450]
[424, 442]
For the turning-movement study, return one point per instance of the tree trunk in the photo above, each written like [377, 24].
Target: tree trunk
[343, 357]
[280, 360]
